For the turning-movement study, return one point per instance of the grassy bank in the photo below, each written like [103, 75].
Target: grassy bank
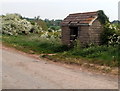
[34, 43]
[102, 55]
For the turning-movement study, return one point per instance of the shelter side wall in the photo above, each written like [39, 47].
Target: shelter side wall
[65, 35]
[95, 32]
[83, 35]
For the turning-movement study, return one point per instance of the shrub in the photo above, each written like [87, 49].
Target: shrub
[110, 35]
[106, 34]
[13, 24]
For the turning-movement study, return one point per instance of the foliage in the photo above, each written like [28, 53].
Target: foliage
[14, 24]
[39, 22]
[102, 17]
[53, 24]
[114, 40]
[104, 55]
[111, 31]
[55, 28]
[36, 29]
[107, 32]
[42, 24]
[110, 35]
[35, 43]
[46, 24]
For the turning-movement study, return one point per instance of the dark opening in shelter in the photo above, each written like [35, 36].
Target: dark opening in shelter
[84, 27]
[73, 33]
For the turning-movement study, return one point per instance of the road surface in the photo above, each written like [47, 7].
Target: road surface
[21, 71]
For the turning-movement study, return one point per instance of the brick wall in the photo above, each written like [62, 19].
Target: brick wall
[65, 35]
[83, 34]
[90, 34]
[95, 32]
[86, 34]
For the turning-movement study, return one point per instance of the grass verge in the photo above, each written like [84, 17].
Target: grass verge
[34, 43]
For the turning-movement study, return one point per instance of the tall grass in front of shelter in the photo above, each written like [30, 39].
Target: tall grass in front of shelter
[34, 43]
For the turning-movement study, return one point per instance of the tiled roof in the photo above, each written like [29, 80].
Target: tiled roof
[80, 18]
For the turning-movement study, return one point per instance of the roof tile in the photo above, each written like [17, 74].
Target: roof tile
[80, 18]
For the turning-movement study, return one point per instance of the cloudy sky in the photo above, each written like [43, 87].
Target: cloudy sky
[58, 9]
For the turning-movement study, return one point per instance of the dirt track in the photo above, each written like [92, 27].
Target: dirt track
[21, 71]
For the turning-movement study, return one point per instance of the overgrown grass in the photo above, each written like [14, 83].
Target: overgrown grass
[102, 55]
[101, 52]
[34, 43]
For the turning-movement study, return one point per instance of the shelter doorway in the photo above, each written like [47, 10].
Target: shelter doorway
[73, 33]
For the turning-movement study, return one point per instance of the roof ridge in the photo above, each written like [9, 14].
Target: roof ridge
[83, 13]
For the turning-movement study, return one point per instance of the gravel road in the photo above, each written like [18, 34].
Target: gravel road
[21, 71]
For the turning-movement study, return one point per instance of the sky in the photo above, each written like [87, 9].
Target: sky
[58, 9]
[119, 11]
